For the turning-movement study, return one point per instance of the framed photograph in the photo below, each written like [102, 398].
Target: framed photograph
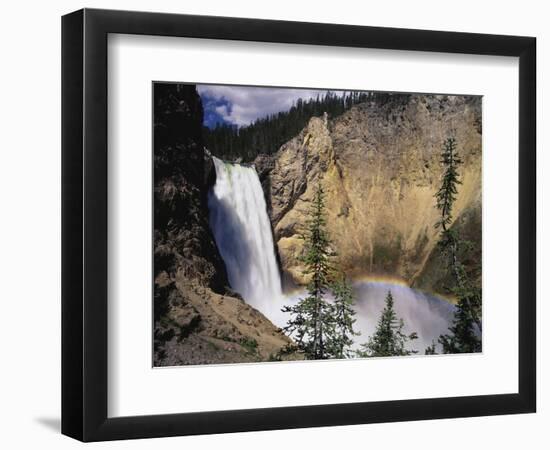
[274, 225]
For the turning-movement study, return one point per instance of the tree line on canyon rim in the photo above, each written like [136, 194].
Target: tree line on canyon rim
[324, 330]
[267, 134]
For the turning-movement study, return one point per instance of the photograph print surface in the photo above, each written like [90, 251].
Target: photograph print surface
[305, 224]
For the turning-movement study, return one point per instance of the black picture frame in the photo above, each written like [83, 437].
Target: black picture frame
[84, 224]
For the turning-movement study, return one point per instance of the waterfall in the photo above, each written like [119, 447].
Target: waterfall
[242, 230]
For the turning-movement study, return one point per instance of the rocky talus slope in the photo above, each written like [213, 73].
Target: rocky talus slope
[379, 164]
[197, 319]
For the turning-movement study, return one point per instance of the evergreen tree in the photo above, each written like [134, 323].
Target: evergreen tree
[463, 338]
[430, 349]
[343, 316]
[446, 195]
[311, 323]
[389, 338]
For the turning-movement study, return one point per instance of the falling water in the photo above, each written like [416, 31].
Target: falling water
[241, 227]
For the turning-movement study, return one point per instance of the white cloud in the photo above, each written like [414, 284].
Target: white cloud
[223, 111]
[251, 103]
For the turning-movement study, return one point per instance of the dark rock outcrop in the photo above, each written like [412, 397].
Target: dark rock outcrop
[183, 241]
[197, 318]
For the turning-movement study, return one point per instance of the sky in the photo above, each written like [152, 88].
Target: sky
[242, 105]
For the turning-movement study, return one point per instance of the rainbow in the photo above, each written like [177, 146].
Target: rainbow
[387, 279]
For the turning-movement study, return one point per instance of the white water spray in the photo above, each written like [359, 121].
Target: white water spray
[241, 227]
[427, 315]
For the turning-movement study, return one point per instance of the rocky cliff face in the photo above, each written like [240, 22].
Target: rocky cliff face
[197, 319]
[183, 243]
[379, 165]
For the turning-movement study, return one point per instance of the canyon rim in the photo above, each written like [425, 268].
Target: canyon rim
[305, 224]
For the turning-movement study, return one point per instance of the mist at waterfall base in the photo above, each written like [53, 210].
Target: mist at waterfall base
[427, 315]
[242, 231]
